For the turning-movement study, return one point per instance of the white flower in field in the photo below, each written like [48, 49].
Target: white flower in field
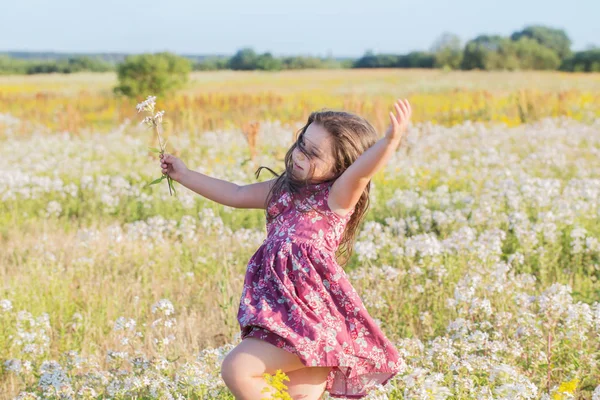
[27, 366]
[73, 360]
[5, 305]
[596, 394]
[459, 327]
[423, 245]
[415, 377]
[123, 323]
[147, 105]
[27, 396]
[71, 189]
[578, 235]
[366, 250]
[159, 116]
[482, 305]
[517, 390]
[13, 365]
[378, 393]
[87, 391]
[517, 258]
[147, 121]
[169, 323]
[592, 245]
[53, 209]
[53, 375]
[162, 363]
[555, 300]
[432, 390]
[390, 272]
[116, 355]
[372, 298]
[163, 305]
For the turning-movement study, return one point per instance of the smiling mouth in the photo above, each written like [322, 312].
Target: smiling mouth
[297, 166]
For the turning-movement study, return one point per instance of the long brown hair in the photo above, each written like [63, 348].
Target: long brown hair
[351, 135]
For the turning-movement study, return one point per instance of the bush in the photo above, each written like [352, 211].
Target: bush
[156, 74]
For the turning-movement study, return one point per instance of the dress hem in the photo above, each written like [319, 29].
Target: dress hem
[273, 341]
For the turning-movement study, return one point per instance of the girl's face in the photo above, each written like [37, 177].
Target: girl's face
[318, 146]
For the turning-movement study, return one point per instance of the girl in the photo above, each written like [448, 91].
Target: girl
[298, 312]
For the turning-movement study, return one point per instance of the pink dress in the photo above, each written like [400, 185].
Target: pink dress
[297, 297]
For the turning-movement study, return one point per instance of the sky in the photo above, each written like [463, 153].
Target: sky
[341, 28]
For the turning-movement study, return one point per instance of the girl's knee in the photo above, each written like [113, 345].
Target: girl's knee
[231, 371]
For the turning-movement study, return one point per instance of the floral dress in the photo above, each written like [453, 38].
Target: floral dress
[298, 298]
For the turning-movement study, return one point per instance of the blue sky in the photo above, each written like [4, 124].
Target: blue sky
[315, 27]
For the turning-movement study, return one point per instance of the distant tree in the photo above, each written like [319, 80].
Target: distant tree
[10, 66]
[84, 63]
[298, 62]
[447, 51]
[152, 74]
[211, 64]
[583, 61]
[371, 60]
[415, 59]
[496, 53]
[552, 38]
[267, 62]
[244, 59]
[482, 52]
[532, 55]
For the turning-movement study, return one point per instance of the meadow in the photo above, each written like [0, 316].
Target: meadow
[479, 258]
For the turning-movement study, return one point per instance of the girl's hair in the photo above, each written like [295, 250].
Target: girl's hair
[351, 135]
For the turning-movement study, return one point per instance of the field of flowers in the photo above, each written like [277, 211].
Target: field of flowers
[480, 258]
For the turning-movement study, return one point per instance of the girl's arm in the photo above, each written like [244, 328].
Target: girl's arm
[347, 189]
[227, 193]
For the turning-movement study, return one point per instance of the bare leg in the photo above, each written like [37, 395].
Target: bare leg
[307, 383]
[244, 366]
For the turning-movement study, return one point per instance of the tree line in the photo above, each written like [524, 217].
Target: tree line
[535, 47]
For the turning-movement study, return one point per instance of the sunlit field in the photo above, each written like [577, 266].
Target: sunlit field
[226, 99]
[479, 257]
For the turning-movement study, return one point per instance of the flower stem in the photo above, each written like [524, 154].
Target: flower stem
[162, 152]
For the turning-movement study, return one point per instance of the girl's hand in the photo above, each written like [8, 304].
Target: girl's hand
[173, 167]
[398, 122]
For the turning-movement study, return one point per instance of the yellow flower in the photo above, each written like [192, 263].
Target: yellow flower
[566, 388]
[276, 382]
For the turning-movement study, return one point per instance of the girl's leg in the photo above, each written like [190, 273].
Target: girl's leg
[307, 383]
[243, 368]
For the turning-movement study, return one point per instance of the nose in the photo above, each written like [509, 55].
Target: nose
[300, 156]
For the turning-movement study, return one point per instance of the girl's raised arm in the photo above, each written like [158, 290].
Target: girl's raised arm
[347, 189]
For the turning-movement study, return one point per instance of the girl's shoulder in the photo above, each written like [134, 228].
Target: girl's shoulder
[318, 197]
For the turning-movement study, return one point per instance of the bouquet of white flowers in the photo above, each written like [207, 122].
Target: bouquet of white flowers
[155, 121]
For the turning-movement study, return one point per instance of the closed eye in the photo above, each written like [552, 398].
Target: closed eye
[309, 153]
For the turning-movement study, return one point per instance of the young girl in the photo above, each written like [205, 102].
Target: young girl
[298, 311]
